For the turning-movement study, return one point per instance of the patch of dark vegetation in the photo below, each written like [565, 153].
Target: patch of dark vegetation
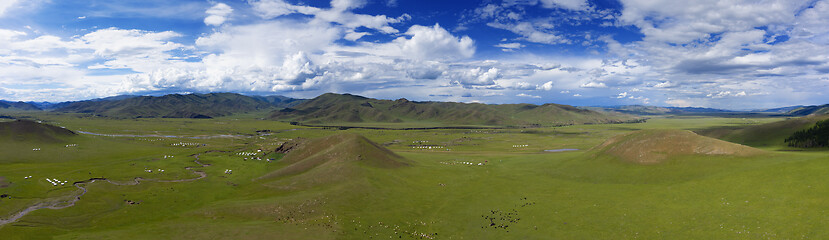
[502, 219]
[288, 146]
[814, 137]
[408, 230]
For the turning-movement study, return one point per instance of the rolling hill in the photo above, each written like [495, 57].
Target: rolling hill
[330, 159]
[657, 146]
[30, 131]
[814, 137]
[765, 135]
[810, 110]
[346, 109]
[176, 106]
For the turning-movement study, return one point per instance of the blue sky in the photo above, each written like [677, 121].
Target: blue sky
[734, 54]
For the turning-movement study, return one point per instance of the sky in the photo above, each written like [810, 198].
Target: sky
[729, 54]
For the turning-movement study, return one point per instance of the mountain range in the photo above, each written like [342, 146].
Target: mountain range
[346, 109]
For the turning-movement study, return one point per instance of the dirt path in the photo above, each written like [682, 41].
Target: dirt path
[62, 203]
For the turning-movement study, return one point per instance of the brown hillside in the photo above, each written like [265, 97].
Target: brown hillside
[25, 130]
[332, 159]
[656, 146]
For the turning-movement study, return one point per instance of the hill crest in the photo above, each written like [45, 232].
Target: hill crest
[331, 159]
[333, 108]
[657, 146]
[31, 131]
[176, 105]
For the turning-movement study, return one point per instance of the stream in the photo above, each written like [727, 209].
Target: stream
[61, 204]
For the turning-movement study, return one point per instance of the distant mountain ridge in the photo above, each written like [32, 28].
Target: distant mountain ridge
[333, 108]
[177, 106]
[655, 110]
[18, 106]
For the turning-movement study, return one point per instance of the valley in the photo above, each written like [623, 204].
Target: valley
[137, 179]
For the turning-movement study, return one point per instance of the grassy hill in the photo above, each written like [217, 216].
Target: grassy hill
[657, 146]
[331, 159]
[765, 135]
[30, 131]
[810, 110]
[814, 137]
[346, 109]
[173, 106]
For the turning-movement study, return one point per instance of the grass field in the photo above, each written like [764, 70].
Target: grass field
[456, 184]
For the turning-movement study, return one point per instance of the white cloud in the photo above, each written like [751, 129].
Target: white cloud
[509, 47]
[532, 32]
[722, 94]
[686, 21]
[217, 15]
[339, 13]
[594, 85]
[5, 5]
[476, 76]
[347, 4]
[274, 8]
[566, 4]
[666, 84]
[435, 43]
[391, 3]
[622, 95]
[547, 86]
[527, 95]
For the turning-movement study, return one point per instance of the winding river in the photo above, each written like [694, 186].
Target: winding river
[61, 204]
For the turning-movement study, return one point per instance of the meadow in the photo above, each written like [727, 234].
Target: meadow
[454, 184]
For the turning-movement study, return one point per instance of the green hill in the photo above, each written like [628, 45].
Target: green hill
[330, 159]
[172, 106]
[346, 109]
[30, 131]
[765, 135]
[814, 137]
[810, 110]
[657, 146]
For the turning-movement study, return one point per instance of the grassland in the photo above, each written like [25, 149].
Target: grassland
[517, 192]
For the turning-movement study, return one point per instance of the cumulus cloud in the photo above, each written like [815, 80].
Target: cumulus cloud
[217, 15]
[435, 43]
[476, 76]
[547, 86]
